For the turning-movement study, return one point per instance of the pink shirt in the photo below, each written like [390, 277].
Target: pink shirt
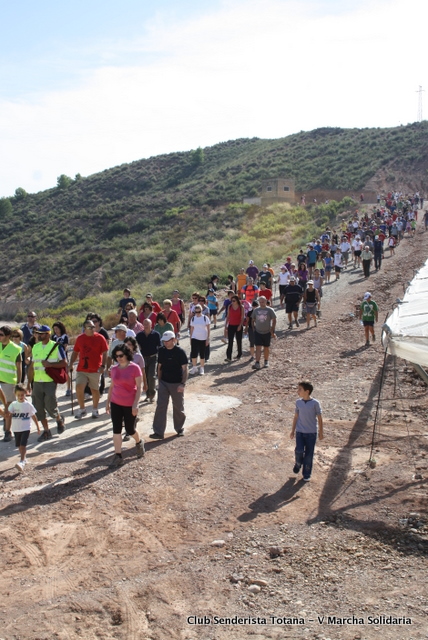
[125, 386]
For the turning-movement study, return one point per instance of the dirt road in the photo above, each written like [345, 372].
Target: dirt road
[215, 525]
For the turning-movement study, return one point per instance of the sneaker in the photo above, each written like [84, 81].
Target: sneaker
[193, 370]
[224, 340]
[306, 479]
[256, 366]
[126, 437]
[373, 337]
[88, 396]
[290, 326]
[68, 393]
[266, 364]
[117, 461]
[80, 413]
[228, 359]
[367, 343]
[252, 359]
[151, 400]
[297, 323]
[156, 436]
[20, 466]
[95, 413]
[201, 371]
[46, 435]
[139, 447]
[60, 426]
[7, 436]
[296, 468]
[180, 433]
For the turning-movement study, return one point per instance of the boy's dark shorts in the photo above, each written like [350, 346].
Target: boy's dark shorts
[21, 438]
[368, 323]
[262, 339]
[213, 312]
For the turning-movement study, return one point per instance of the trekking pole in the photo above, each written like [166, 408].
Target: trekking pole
[71, 389]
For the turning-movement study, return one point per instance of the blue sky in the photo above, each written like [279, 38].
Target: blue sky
[88, 85]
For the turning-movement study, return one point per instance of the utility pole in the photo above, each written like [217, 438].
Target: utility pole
[420, 91]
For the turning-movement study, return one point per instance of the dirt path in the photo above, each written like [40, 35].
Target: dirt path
[90, 553]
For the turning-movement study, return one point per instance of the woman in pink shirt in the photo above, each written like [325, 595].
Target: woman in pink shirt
[122, 401]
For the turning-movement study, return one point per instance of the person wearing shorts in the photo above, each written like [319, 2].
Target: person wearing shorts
[249, 329]
[264, 323]
[22, 412]
[122, 401]
[369, 315]
[293, 296]
[91, 349]
[337, 263]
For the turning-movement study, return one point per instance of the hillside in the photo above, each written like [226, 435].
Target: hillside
[168, 217]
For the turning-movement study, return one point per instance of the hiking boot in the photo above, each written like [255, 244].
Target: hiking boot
[80, 413]
[367, 343]
[46, 435]
[139, 447]
[60, 425]
[7, 436]
[256, 366]
[296, 468]
[20, 466]
[193, 370]
[156, 436]
[95, 414]
[117, 461]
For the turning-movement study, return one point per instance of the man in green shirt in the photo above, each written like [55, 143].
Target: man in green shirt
[369, 315]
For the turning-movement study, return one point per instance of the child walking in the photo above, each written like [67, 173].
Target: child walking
[22, 411]
[304, 429]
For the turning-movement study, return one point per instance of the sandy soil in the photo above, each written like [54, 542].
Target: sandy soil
[91, 553]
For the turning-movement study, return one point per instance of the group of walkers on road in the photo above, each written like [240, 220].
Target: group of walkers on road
[145, 356]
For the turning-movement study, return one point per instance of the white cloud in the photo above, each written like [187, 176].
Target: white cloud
[262, 69]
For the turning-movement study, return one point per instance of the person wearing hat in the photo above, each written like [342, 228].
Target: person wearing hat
[252, 271]
[369, 315]
[10, 373]
[265, 276]
[28, 328]
[155, 305]
[172, 377]
[46, 353]
[293, 295]
[283, 278]
[311, 299]
[91, 348]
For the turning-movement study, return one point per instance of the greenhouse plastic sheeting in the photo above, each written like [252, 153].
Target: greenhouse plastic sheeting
[406, 330]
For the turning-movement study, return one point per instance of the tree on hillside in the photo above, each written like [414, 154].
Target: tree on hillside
[198, 157]
[20, 193]
[63, 181]
[5, 207]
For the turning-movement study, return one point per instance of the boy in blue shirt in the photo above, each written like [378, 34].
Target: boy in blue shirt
[212, 306]
[308, 413]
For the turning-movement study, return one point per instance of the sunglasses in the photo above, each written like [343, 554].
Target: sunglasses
[120, 355]
[15, 335]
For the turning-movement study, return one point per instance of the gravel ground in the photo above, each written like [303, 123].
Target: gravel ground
[212, 535]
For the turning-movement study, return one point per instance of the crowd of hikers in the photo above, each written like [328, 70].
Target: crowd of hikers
[144, 353]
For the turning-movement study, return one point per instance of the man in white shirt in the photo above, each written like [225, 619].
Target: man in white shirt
[357, 246]
[345, 248]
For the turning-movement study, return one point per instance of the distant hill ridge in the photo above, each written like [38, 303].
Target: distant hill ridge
[122, 223]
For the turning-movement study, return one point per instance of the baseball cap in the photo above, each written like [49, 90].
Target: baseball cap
[43, 329]
[309, 281]
[168, 335]
[120, 327]
[251, 262]
[367, 295]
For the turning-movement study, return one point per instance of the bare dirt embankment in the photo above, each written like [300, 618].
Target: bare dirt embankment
[93, 553]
